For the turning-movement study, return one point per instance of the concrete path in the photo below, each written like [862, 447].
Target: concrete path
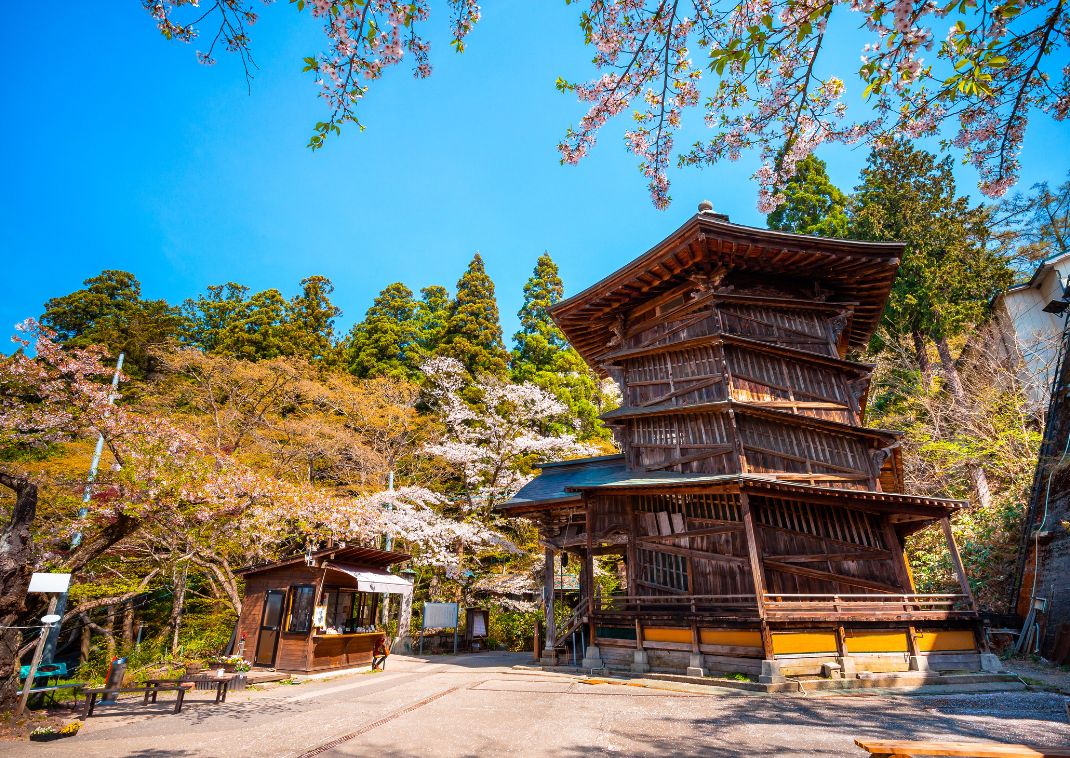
[478, 705]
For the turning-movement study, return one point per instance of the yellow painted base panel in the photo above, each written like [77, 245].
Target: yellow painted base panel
[730, 637]
[666, 634]
[946, 641]
[796, 643]
[876, 642]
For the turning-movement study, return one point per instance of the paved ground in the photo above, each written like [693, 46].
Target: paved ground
[478, 705]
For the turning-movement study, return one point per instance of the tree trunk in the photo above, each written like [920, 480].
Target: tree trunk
[109, 624]
[177, 604]
[16, 556]
[921, 354]
[100, 541]
[85, 644]
[958, 392]
[128, 625]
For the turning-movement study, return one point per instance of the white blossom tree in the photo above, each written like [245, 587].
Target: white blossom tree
[493, 443]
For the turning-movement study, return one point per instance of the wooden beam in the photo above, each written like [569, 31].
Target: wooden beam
[956, 561]
[882, 555]
[682, 459]
[898, 559]
[725, 529]
[868, 584]
[755, 560]
[699, 554]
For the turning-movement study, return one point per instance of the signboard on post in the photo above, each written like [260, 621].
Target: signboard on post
[440, 616]
[49, 583]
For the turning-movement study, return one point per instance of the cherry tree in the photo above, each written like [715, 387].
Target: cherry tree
[492, 443]
[971, 72]
[159, 479]
[434, 539]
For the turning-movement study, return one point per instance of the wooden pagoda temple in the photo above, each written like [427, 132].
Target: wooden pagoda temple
[756, 524]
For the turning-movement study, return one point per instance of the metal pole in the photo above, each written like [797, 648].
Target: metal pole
[388, 539]
[87, 493]
[388, 543]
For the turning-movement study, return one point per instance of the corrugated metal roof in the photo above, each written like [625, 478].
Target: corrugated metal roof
[558, 480]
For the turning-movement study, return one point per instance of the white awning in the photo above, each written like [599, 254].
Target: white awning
[374, 580]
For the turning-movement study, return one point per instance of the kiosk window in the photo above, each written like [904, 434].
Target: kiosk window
[299, 619]
[348, 610]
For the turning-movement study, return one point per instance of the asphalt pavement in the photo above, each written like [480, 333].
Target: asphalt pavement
[480, 706]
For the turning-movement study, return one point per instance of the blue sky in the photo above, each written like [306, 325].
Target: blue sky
[120, 151]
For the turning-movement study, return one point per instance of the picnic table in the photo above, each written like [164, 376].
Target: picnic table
[909, 749]
[222, 683]
[46, 671]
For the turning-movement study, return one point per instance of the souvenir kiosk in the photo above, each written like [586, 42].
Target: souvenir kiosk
[320, 611]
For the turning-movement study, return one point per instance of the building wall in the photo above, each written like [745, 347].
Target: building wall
[1029, 331]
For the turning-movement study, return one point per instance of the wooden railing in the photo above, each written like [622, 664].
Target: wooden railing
[569, 622]
[882, 604]
[727, 604]
[785, 605]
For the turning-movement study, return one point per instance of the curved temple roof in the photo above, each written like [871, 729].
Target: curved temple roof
[855, 272]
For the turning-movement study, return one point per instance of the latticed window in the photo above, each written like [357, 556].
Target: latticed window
[663, 570]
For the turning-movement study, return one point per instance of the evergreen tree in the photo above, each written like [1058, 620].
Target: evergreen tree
[228, 321]
[111, 312]
[539, 341]
[947, 276]
[311, 317]
[385, 342]
[432, 314]
[813, 204]
[543, 356]
[473, 332]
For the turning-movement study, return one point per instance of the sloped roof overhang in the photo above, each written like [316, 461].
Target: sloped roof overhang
[856, 272]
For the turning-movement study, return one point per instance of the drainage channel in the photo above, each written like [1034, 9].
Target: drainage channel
[385, 719]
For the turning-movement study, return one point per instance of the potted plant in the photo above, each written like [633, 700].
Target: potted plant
[230, 664]
[50, 733]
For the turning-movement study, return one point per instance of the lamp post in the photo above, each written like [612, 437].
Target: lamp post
[31, 675]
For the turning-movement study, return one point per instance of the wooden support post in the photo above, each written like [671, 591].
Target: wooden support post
[767, 641]
[912, 641]
[589, 559]
[841, 641]
[956, 562]
[895, 547]
[638, 634]
[752, 553]
[695, 640]
[548, 599]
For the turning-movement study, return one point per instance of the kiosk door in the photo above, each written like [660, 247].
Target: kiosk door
[267, 641]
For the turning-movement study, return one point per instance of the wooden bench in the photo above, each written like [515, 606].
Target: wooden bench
[48, 694]
[150, 691]
[900, 749]
[222, 683]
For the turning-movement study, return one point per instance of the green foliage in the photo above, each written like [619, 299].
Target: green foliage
[311, 316]
[432, 314]
[385, 343]
[110, 311]
[813, 204]
[512, 630]
[473, 332]
[228, 321]
[543, 356]
[947, 276]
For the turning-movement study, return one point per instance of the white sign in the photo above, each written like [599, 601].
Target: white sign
[49, 583]
[440, 615]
